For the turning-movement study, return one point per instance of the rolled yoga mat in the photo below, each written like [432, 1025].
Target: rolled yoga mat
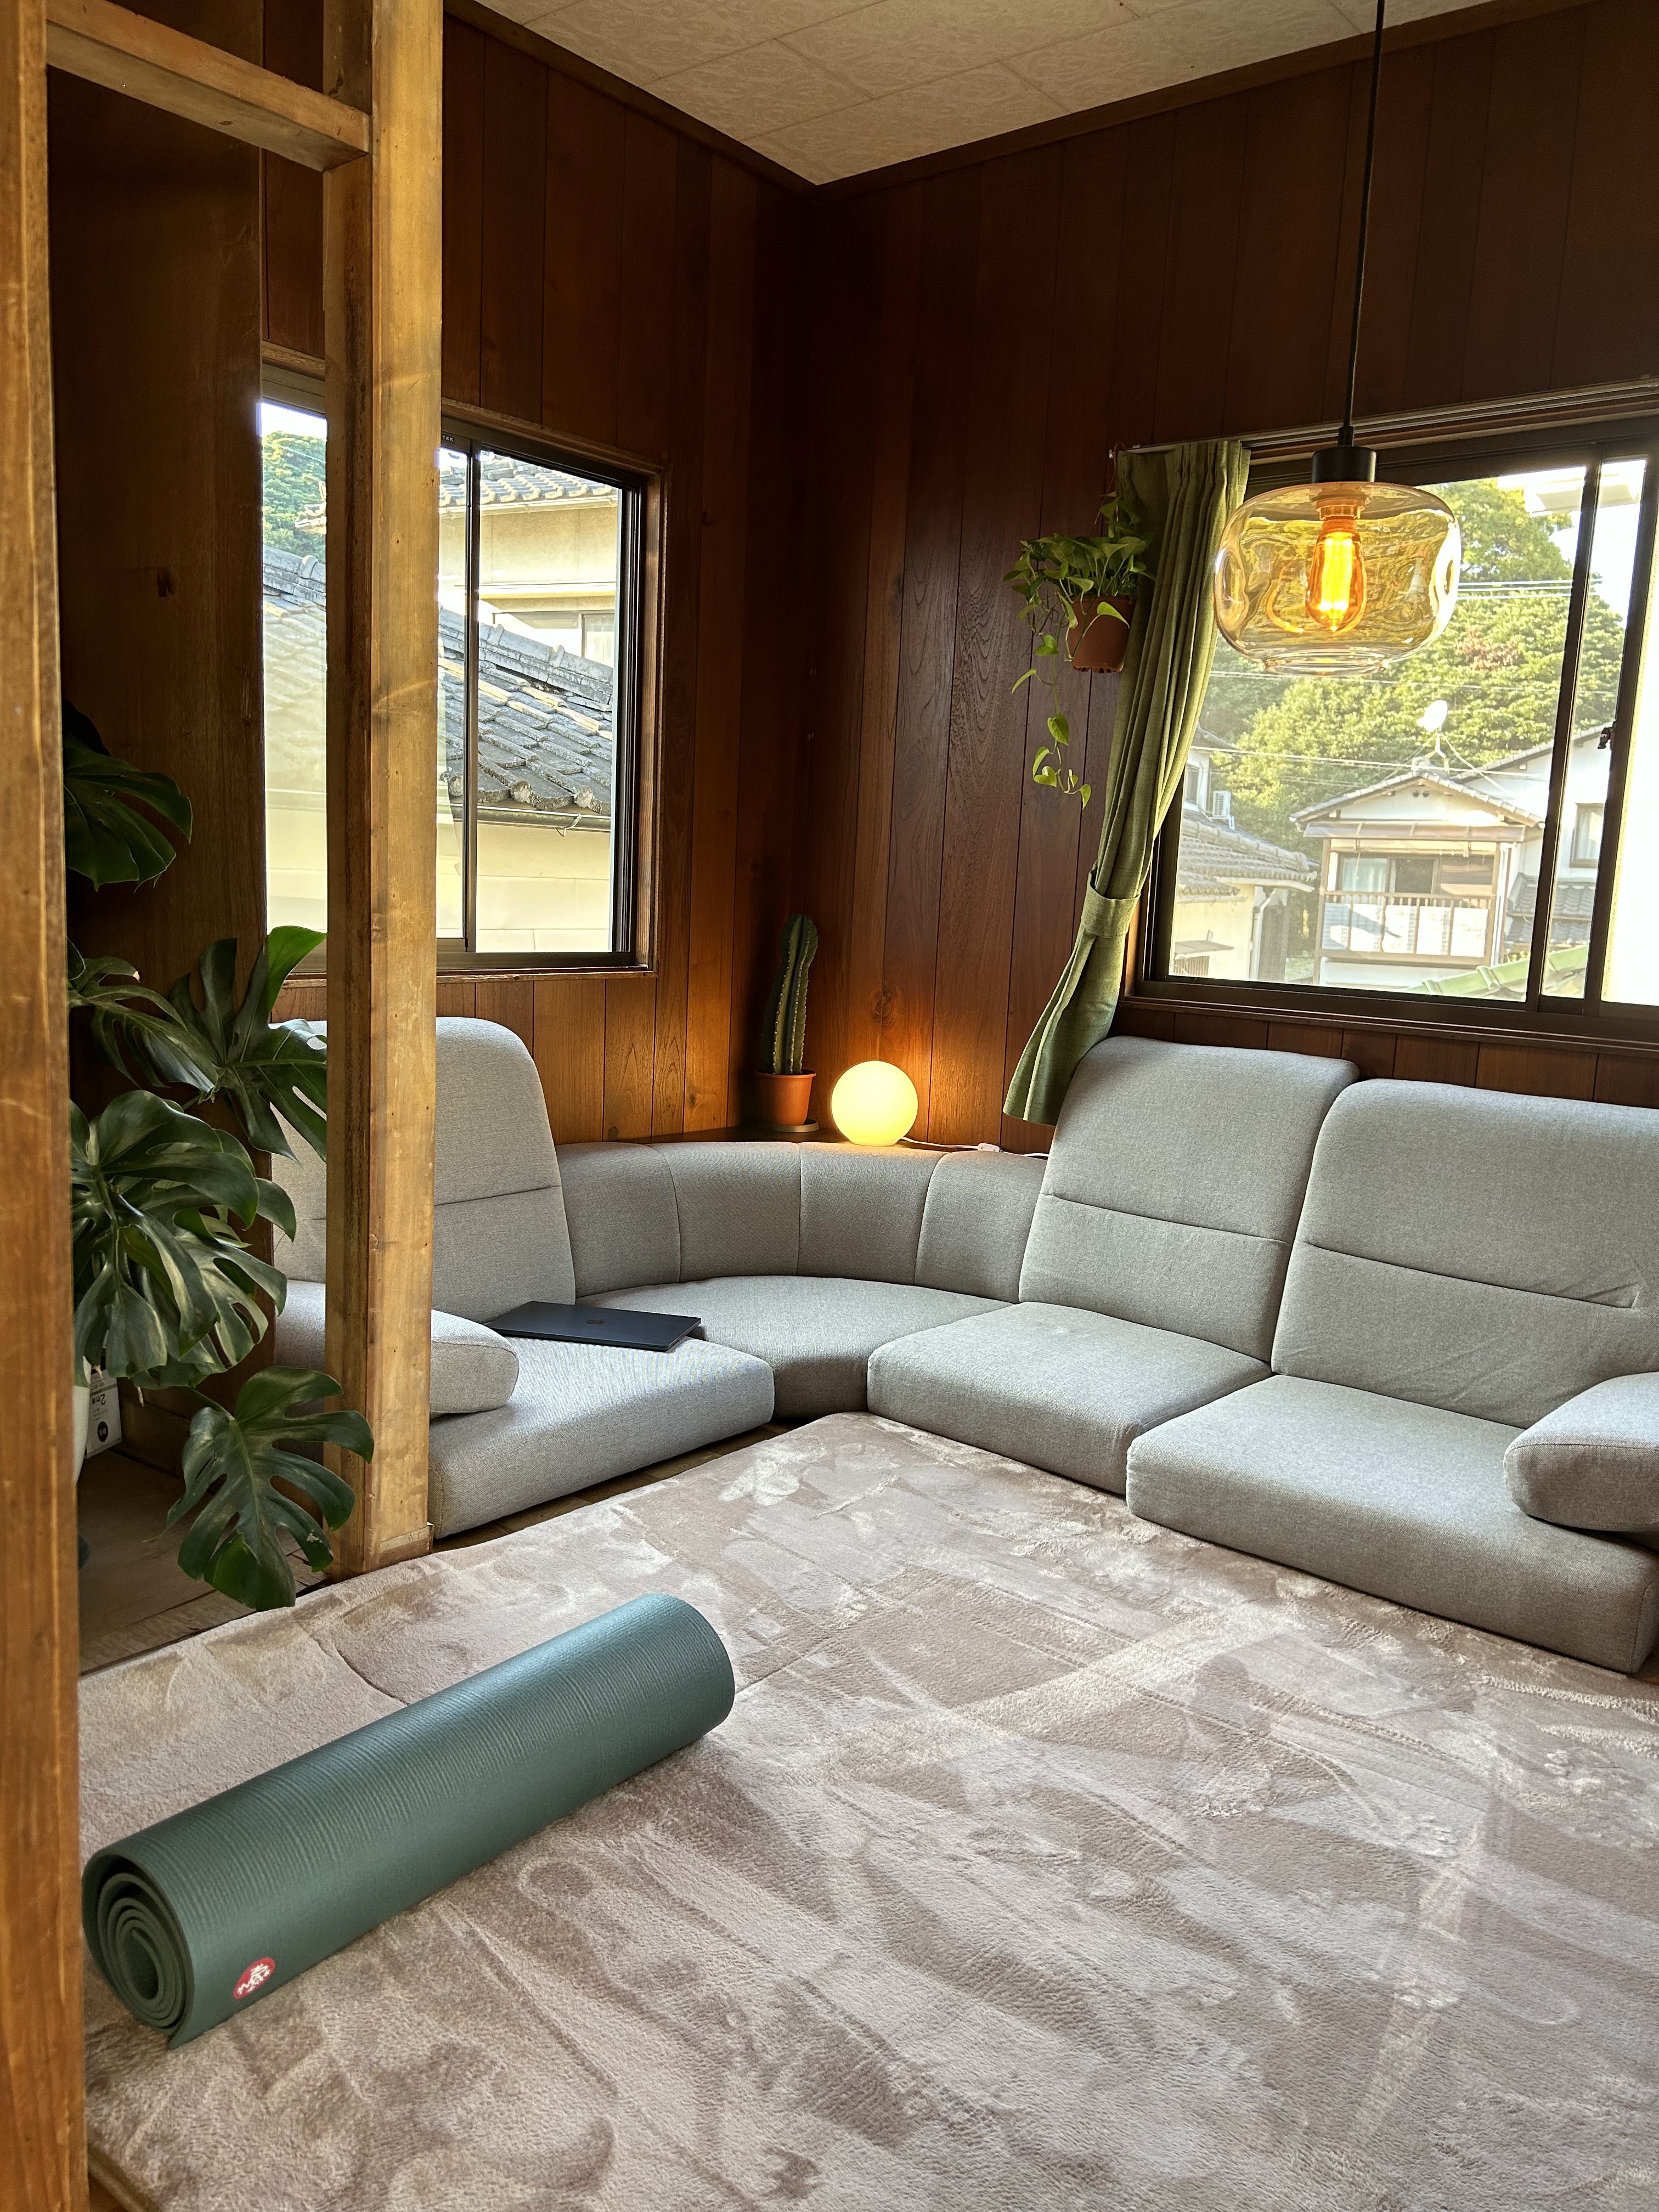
[194, 1918]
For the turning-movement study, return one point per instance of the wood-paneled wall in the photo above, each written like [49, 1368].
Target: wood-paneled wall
[623, 286]
[154, 239]
[982, 336]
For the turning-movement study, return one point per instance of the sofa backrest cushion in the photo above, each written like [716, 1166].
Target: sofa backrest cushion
[1173, 1189]
[739, 1207]
[861, 1210]
[624, 1221]
[1488, 1254]
[499, 1234]
[975, 1222]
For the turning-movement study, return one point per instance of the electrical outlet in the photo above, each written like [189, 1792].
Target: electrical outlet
[104, 1414]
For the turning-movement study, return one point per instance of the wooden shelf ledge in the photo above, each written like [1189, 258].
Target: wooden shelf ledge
[149, 61]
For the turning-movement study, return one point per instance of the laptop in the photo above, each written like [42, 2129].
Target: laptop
[623, 1327]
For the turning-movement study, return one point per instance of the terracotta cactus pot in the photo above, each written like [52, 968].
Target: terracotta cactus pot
[785, 1101]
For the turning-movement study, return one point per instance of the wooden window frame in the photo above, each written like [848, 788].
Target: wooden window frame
[294, 380]
[1542, 1017]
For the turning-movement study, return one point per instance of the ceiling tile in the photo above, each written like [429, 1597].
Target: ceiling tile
[950, 110]
[760, 91]
[897, 43]
[1362, 13]
[644, 40]
[1195, 39]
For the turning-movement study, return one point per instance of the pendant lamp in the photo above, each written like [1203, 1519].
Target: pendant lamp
[1342, 575]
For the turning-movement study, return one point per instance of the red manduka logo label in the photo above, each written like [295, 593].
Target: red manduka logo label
[254, 1978]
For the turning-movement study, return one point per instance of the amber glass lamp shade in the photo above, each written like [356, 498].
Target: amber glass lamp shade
[1336, 579]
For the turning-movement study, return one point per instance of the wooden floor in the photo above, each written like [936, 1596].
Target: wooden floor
[135, 1598]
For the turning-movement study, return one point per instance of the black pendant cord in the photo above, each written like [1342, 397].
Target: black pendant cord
[1344, 437]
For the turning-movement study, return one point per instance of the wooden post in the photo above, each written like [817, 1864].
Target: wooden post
[382, 222]
[42, 2126]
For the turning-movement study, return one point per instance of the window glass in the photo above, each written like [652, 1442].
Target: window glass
[1612, 562]
[1384, 832]
[453, 471]
[1632, 970]
[532, 559]
[292, 447]
[549, 546]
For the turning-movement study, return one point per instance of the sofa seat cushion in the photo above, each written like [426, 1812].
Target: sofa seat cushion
[1055, 1386]
[473, 1369]
[1406, 1501]
[583, 1413]
[815, 1332]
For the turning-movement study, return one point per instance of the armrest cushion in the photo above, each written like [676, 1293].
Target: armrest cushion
[1593, 1463]
[473, 1369]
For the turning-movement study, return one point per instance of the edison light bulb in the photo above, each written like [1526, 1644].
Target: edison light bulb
[1336, 569]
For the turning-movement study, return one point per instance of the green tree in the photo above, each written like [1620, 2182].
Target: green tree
[293, 483]
[1307, 739]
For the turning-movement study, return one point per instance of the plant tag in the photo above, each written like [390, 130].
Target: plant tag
[103, 1412]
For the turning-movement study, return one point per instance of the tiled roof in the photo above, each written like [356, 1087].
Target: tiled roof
[546, 722]
[1213, 856]
[504, 481]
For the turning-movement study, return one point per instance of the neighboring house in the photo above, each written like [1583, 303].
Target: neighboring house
[547, 551]
[1239, 900]
[546, 754]
[1428, 878]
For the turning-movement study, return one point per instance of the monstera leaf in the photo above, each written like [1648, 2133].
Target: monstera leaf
[232, 1463]
[108, 836]
[165, 1291]
[126, 1013]
[235, 1052]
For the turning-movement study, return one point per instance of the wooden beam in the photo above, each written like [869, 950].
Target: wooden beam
[164, 67]
[382, 224]
[42, 2113]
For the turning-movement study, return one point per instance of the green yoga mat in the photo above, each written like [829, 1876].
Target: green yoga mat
[193, 1919]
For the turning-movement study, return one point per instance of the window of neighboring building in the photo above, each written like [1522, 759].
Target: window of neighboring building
[538, 662]
[1448, 828]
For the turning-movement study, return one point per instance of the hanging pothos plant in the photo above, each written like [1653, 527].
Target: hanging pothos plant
[1079, 595]
[167, 1291]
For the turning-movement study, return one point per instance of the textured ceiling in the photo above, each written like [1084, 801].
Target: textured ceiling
[829, 88]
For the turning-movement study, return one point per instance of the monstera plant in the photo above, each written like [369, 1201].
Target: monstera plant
[168, 1289]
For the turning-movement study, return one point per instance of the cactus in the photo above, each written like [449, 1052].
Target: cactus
[783, 1033]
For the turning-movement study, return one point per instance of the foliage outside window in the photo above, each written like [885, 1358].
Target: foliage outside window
[538, 615]
[1467, 825]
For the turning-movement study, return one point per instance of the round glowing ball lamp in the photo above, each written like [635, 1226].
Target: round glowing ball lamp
[873, 1103]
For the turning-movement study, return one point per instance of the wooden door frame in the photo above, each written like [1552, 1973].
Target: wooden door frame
[378, 146]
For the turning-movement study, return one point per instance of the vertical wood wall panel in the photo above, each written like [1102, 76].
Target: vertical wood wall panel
[1004, 460]
[1526, 190]
[464, 137]
[514, 212]
[581, 314]
[293, 210]
[945, 300]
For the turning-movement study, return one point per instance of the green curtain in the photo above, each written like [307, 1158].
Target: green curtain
[1187, 494]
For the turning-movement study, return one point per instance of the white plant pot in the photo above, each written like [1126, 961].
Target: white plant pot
[82, 1419]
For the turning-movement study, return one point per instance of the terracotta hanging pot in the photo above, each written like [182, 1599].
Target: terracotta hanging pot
[785, 1101]
[1100, 640]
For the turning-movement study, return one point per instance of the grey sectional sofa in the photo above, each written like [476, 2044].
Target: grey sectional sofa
[1395, 1334]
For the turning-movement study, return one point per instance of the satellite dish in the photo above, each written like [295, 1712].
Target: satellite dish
[1433, 717]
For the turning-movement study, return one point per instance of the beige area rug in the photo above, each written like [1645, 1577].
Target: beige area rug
[1048, 1859]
